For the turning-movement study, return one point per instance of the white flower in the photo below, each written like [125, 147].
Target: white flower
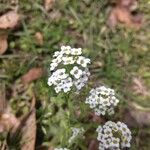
[52, 80]
[113, 136]
[76, 72]
[83, 61]
[115, 142]
[57, 89]
[76, 132]
[76, 51]
[57, 54]
[68, 60]
[66, 49]
[79, 85]
[102, 100]
[57, 60]
[67, 70]
[53, 66]
[67, 84]
[61, 74]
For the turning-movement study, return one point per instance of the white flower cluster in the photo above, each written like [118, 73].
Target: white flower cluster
[69, 69]
[102, 100]
[76, 132]
[113, 136]
[61, 149]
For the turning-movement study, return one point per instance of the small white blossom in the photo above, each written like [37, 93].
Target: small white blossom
[68, 70]
[76, 72]
[76, 51]
[58, 54]
[102, 100]
[53, 66]
[56, 60]
[83, 61]
[68, 60]
[65, 49]
[113, 136]
[76, 132]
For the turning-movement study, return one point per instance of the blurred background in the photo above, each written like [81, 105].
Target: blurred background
[115, 34]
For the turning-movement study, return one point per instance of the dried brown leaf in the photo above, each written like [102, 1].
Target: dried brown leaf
[8, 122]
[29, 132]
[9, 20]
[31, 75]
[122, 13]
[130, 4]
[39, 38]
[48, 4]
[4, 146]
[28, 129]
[3, 44]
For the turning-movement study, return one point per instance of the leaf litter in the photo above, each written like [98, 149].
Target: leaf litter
[123, 13]
[31, 75]
[8, 20]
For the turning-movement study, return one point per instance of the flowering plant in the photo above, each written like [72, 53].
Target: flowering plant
[113, 135]
[69, 72]
[69, 69]
[102, 100]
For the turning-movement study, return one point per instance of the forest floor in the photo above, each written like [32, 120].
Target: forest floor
[121, 59]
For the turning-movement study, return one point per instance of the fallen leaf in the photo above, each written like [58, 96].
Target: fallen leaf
[8, 122]
[31, 75]
[130, 4]
[39, 38]
[29, 132]
[3, 44]
[3, 146]
[139, 87]
[25, 133]
[28, 129]
[48, 4]
[9, 20]
[122, 13]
